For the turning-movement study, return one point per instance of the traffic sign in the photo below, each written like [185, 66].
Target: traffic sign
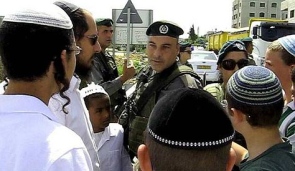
[134, 16]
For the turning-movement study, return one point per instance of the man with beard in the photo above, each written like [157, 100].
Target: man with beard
[30, 136]
[75, 115]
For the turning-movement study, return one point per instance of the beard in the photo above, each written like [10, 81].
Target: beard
[82, 70]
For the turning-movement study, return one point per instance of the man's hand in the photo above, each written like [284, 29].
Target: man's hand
[128, 71]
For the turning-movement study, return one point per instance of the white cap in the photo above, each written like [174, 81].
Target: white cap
[46, 14]
[91, 89]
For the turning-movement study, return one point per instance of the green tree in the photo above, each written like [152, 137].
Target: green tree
[192, 34]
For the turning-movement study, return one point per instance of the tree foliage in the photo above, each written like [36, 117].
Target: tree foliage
[196, 39]
[192, 34]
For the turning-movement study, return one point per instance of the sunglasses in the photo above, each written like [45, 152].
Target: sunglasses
[92, 38]
[188, 51]
[230, 64]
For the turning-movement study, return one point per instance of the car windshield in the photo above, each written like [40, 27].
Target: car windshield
[203, 56]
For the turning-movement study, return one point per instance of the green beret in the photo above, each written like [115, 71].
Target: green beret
[247, 39]
[229, 46]
[104, 22]
[164, 28]
[176, 121]
[183, 46]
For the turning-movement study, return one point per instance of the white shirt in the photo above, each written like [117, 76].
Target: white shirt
[32, 139]
[77, 118]
[2, 84]
[111, 152]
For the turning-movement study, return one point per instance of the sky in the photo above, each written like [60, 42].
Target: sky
[208, 15]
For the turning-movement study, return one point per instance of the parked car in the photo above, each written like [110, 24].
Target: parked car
[205, 63]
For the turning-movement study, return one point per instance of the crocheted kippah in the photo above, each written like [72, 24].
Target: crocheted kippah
[255, 85]
[91, 89]
[40, 14]
[288, 42]
[178, 120]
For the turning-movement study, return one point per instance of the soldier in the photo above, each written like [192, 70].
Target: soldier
[185, 53]
[104, 71]
[231, 57]
[161, 76]
[248, 41]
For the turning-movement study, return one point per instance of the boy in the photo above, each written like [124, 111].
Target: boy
[256, 114]
[108, 136]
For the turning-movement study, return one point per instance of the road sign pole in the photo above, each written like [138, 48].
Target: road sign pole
[128, 36]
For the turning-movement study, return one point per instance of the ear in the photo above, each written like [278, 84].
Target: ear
[178, 48]
[237, 116]
[231, 160]
[144, 158]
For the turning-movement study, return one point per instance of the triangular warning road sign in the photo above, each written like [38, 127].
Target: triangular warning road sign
[134, 16]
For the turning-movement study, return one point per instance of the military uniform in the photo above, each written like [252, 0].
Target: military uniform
[183, 48]
[105, 73]
[248, 42]
[152, 86]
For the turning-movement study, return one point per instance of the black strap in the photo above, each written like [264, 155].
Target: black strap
[157, 86]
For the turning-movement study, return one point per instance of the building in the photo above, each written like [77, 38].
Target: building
[288, 9]
[243, 10]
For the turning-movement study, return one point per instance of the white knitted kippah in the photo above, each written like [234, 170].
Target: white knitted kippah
[255, 85]
[46, 14]
[91, 89]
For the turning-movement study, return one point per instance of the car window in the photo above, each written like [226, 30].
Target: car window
[203, 56]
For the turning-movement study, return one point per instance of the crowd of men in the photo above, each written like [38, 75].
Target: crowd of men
[63, 105]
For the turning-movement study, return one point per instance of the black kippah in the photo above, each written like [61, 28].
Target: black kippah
[190, 118]
[66, 6]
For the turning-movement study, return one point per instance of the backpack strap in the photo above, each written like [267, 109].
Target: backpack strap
[181, 70]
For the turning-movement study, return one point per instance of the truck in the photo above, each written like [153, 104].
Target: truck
[217, 39]
[238, 33]
[263, 31]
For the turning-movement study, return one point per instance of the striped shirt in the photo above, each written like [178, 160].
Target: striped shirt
[287, 122]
